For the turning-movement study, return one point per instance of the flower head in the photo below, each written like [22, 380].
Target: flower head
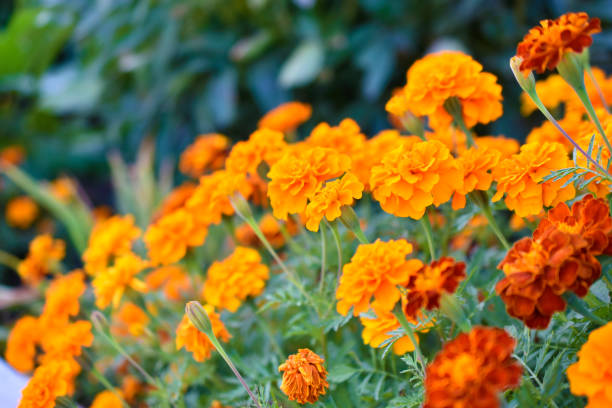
[231, 281]
[426, 286]
[286, 117]
[472, 370]
[21, 212]
[304, 377]
[65, 341]
[477, 165]
[175, 200]
[131, 320]
[21, 344]
[375, 271]
[48, 382]
[193, 340]
[106, 399]
[62, 298]
[264, 146]
[110, 284]
[172, 279]
[45, 252]
[412, 177]
[521, 178]
[206, 153]
[345, 138]
[591, 375]
[543, 46]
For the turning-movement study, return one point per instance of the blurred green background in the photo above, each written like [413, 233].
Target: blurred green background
[82, 78]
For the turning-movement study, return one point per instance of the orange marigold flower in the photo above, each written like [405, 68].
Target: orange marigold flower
[110, 284]
[543, 46]
[12, 154]
[168, 239]
[328, 201]
[591, 375]
[264, 145]
[521, 178]
[206, 153]
[600, 187]
[175, 200]
[66, 341]
[231, 281]
[21, 212]
[130, 387]
[304, 377]
[375, 271]
[286, 117]
[573, 123]
[188, 336]
[299, 174]
[506, 146]
[44, 254]
[411, 178]
[172, 279]
[432, 80]
[376, 331]
[477, 164]
[48, 382]
[472, 370]
[62, 298]
[603, 82]
[131, 320]
[108, 239]
[21, 344]
[345, 138]
[425, 287]
[107, 399]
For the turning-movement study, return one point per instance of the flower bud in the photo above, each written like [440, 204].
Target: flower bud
[99, 321]
[241, 206]
[198, 317]
[527, 82]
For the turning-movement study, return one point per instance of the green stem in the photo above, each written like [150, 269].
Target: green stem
[586, 101]
[323, 261]
[9, 260]
[597, 87]
[453, 106]
[100, 377]
[401, 317]
[482, 202]
[578, 305]
[336, 235]
[428, 235]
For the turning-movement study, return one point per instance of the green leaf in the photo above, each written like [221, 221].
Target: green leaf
[303, 65]
[341, 373]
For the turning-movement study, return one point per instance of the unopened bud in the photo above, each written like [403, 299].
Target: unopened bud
[526, 82]
[241, 206]
[199, 318]
[99, 321]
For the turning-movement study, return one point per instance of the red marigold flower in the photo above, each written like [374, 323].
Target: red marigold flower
[471, 370]
[543, 46]
[304, 377]
[427, 285]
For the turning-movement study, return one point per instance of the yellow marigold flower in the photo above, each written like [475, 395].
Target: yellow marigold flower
[591, 375]
[206, 153]
[231, 281]
[168, 239]
[410, 178]
[62, 298]
[175, 200]
[432, 80]
[21, 344]
[210, 201]
[573, 123]
[328, 201]
[545, 45]
[477, 164]
[345, 138]
[107, 399]
[109, 238]
[196, 342]
[66, 341]
[63, 189]
[110, 284]
[48, 382]
[21, 212]
[376, 331]
[12, 154]
[131, 320]
[375, 271]
[286, 117]
[299, 174]
[304, 377]
[264, 145]
[45, 252]
[520, 178]
[173, 280]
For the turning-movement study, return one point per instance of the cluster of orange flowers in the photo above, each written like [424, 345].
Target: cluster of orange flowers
[43, 257]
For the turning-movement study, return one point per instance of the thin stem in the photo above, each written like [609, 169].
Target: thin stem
[428, 235]
[336, 236]
[453, 106]
[534, 376]
[401, 317]
[323, 261]
[586, 101]
[597, 87]
[479, 199]
[9, 260]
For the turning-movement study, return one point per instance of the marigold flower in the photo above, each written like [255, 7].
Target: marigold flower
[131, 320]
[591, 375]
[175, 200]
[62, 298]
[573, 123]
[425, 287]
[345, 138]
[435, 78]
[231, 281]
[600, 187]
[304, 377]
[375, 271]
[264, 145]
[543, 46]
[521, 178]
[21, 212]
[477, 165]
[21, 344]
[48, 382]
[206, 153]
[12, 154]
[169, 238]
[299, 174]
[65, 341]
[472, 370]
[45, 252]
[110, 284]
[173, 280]
[328, 201]
[109, 238]
[107, 399]
[270, 227]
[130, 387]
[410, 178]
[603, 82]
[286, 117]
[193, 340]
[506, 146]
